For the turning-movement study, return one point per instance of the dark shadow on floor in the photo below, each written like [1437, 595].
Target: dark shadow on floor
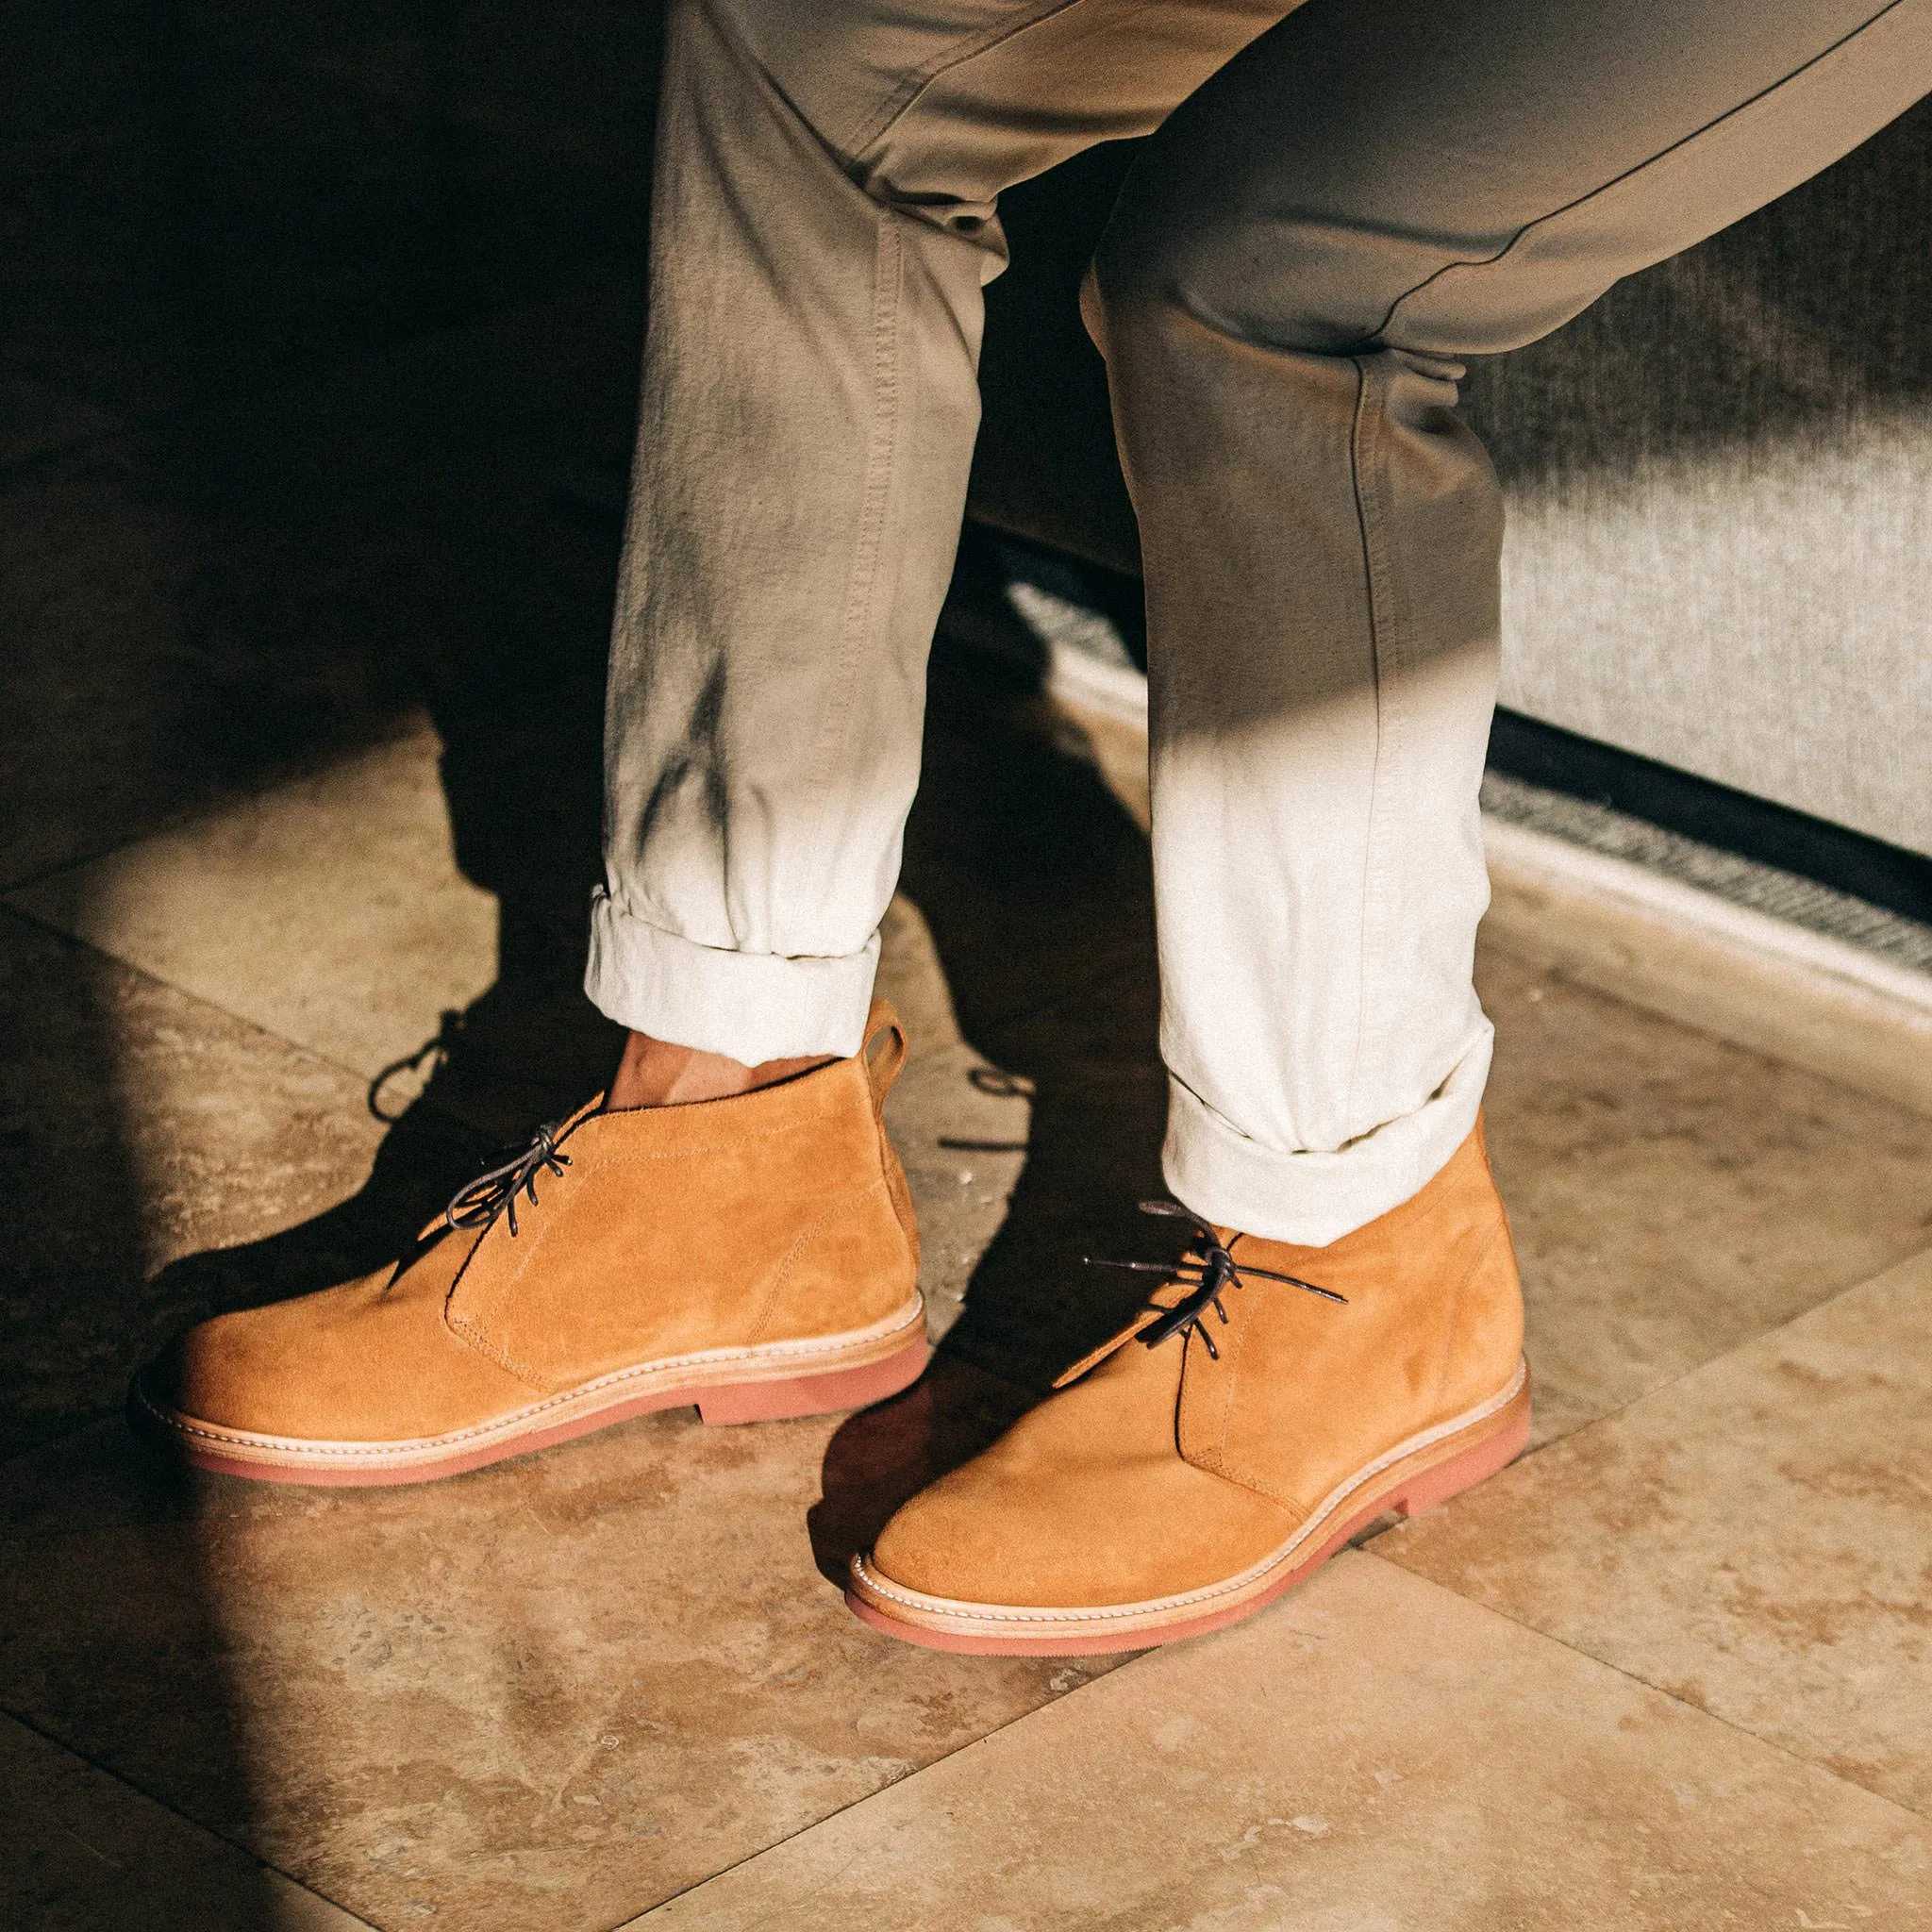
[75, 1306]
[1037, 887]
[318, 341]
[1037, 890]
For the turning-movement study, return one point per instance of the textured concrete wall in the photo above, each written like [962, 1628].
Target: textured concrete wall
[1720, 483]
[1721, 496]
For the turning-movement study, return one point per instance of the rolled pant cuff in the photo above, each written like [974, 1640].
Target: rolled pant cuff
[751, 1006]
[1314, 1198]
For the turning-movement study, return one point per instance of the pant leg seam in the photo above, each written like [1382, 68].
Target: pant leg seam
[1729, 115]
[1362, 457]
[880, 462]
[906, 97]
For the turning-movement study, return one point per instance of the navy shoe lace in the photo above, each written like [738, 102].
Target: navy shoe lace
[478, 1203]
[1209, 1269]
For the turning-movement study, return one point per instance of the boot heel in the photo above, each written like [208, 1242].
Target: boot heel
[1432, 1486]
[823, 1394]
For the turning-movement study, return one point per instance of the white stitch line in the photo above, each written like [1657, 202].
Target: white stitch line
[512, 1425]
[988, 1613]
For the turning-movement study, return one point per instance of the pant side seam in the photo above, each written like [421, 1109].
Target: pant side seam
[906, 97]
[881, 453]
[1364, 456]
[1636, 168]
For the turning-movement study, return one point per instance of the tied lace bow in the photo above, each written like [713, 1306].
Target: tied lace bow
[478, 1202]
[1209, 1269]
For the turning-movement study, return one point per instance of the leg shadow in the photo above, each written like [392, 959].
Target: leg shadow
[1036, 884]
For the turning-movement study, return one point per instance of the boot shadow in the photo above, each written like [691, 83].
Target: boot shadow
[523, 800]
[1036, 884]
[884, 1456]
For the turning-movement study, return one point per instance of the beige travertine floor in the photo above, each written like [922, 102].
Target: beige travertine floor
[1671, 1670]
[1378, 1753]
[320, 385]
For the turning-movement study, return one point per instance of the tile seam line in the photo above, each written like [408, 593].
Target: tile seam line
[1763, 1335]
[438, 1108]
[894, 1784]
[1529, 1630]
[401, 727]
[1367, 1547]
[10, 903]
[1629, 1677]
[1621, 1408]
[128, 1784]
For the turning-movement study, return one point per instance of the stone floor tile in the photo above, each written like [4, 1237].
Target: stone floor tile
[1373, 1755]
[82, 1852]
[141, 1127]
[330, 911]
[1673, 1195]
[544, 1696]
[1754, 1538]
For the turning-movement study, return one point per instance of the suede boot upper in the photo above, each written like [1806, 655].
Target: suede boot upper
[746, 1229]
[1158, 1471]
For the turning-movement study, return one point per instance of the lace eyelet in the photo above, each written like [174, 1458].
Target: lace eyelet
[478, 1203]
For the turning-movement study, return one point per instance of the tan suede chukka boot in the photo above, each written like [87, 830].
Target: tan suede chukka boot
[755, 1255]
[1170, 1488]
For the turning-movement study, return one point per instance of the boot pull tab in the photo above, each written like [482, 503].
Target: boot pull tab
[885, 1065]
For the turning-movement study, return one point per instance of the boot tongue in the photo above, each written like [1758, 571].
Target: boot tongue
[1166, 1298]
[1216, 1269]
[1093, 1357]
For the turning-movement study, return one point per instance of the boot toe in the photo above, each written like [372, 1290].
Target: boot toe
[244, 1371]
[363, 1362]
[1077, 1540]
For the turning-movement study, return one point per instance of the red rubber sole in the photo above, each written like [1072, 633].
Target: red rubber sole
[725, 1405]
[1425, 1490]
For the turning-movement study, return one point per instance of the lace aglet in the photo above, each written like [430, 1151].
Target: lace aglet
[1328, 1294]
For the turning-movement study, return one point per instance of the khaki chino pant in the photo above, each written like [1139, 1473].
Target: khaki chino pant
[1340, 204]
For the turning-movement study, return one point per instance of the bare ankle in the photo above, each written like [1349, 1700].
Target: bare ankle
[655, 1073]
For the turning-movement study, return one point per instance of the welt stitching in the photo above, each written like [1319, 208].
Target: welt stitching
[496, 1424]
[1414, 1446]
